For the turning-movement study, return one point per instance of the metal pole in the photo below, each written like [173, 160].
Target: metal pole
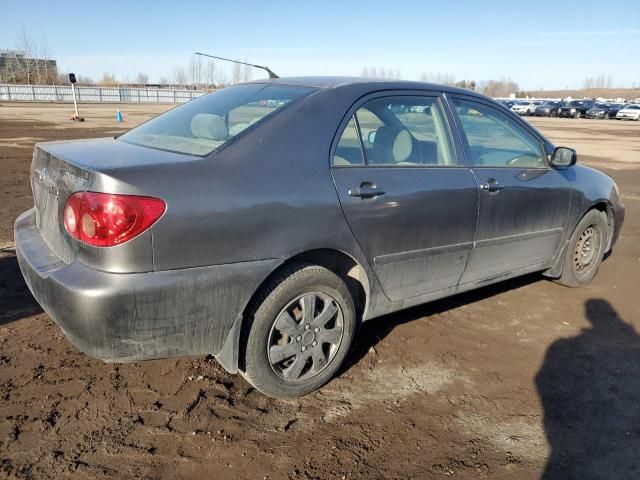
[75, 103]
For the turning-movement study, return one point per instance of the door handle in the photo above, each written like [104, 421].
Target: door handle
[491, 186]
[366, 190]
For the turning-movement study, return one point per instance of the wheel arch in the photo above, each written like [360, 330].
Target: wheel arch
[601, 205]
[605, 207]
[342, 264]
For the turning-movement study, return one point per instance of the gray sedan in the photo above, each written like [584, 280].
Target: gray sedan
[263, 222]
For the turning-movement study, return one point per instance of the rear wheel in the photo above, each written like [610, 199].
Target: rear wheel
[300, 331]
[585, 250]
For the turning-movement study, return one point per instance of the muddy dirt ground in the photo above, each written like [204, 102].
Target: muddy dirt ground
[506, 382]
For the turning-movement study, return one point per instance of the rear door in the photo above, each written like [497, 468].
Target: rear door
[523, 202]
[410, 202]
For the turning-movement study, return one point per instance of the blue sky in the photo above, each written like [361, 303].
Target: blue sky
[546, 43]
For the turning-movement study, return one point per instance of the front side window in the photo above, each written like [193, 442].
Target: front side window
[206, 123]
[496, 140]
[404, 131]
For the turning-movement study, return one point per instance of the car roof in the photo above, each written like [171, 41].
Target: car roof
[332, 82]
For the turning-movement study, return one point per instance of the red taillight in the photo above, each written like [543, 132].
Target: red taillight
[105, 219]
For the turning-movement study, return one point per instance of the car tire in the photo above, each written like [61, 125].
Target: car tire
[607, 116]
[554, 113]
[585, 250]
[301, 326]
[578, 114]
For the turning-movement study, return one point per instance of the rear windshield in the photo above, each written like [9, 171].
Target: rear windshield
[206, 123]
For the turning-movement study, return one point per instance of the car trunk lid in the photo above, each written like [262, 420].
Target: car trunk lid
[53, 180]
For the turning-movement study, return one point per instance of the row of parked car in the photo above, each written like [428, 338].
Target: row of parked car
[574, 109]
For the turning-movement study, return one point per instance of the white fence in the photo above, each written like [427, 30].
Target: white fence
[63, 93]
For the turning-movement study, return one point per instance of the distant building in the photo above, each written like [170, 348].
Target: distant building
[17, 67]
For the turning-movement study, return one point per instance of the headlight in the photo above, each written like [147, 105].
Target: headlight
[573, 110]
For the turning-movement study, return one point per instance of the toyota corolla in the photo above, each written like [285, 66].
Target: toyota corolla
[264, 222]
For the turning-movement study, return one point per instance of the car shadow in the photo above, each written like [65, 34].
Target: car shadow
[374, 331]
[16, 301]
[589, 386]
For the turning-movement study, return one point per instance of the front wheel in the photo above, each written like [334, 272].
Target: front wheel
[299, 332]
[585, 250]
[578, 114]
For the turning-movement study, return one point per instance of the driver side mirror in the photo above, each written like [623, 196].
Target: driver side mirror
[564, 157]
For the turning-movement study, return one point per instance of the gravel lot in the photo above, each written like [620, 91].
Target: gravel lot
[504, 382]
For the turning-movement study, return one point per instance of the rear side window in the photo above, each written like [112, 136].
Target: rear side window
[397, 131]
[495, 139]
[206, 123]
[349, 150]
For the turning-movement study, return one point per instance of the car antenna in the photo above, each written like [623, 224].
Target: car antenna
[271, 74]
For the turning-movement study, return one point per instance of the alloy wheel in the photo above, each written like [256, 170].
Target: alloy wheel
[305, 336]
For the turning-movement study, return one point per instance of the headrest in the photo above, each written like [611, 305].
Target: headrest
[402, 146]
[392, 145]
[206, 125]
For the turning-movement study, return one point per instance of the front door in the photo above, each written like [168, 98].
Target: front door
[410, 203]
[523, 203]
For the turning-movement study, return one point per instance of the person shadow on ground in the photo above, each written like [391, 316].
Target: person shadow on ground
[589, 386]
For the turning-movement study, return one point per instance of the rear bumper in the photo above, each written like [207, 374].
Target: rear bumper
[137, 316]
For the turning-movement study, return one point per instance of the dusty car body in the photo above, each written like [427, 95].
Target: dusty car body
[398, 217]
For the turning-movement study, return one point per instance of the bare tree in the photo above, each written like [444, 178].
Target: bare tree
[211, 74]
[179, 76]
[82, 80]
[468, 84]
[600, 81]
[196, 70]
[247, 73]
[236, 73]
[108, 80]
[380, 72]
[142, 78]
[222, 78]
[163, 81]
[30, 63]
[498, 88]
[442, 78]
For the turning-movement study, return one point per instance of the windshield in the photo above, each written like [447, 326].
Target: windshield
[206, 123]
[575, 103]
[633, 107]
